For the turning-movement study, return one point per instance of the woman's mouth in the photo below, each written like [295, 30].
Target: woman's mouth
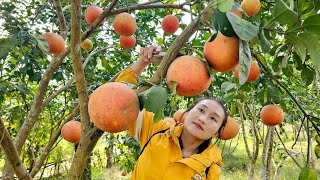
[198, 125]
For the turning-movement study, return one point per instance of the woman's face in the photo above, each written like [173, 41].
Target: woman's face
[204, 119]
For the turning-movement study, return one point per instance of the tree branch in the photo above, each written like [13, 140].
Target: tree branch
[287, 149]
[77, 63]
[62, 20]
[241, 110]
[11, 153]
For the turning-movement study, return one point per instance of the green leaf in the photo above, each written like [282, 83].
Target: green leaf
[6, 45]
[156, 99]
[312, 43]
[307, 173]
[237, 7]
[264, 42]
[297, 42]
[225, 5]
[159, 115]
[283, 14]
[244, 61]
[244, 29]
[222, 24]
[312, 24]
[274, 93]
[42, 42]
[307, 75]
[174, 87]
[227, 86]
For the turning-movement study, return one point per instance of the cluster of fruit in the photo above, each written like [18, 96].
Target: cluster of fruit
[124, 25]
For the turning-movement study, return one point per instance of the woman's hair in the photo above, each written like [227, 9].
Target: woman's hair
[224, 122]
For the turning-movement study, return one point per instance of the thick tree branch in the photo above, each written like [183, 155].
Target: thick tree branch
[77, 63]
[45, 152]
[62, 20]
[11, 153]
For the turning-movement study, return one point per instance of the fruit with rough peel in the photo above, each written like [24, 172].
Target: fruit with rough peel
[71, 131]
[87, 45]
[271, 114]
[124, 24]
[251, 7]
[170, 24]
[239, 13]
[55, 41]
[231, 129]
[191, 75]
[222, 53]
[92, 13]
[113, 107]
[177, 116]
[169, 120]
[253, 74]
[127, 42]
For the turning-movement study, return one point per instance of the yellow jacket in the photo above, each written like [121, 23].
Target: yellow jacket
[162, 157]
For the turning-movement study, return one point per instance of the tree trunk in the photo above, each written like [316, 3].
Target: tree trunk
[266, 168]
[252, 169]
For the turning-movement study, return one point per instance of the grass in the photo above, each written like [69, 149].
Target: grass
[237, 164]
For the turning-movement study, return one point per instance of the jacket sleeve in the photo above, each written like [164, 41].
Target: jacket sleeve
[144, 127]
[128, 76]
[215, 169]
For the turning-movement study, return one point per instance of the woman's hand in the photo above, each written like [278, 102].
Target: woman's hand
[145, 57]
[147, 52]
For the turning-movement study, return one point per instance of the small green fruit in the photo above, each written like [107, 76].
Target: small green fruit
[307, 174]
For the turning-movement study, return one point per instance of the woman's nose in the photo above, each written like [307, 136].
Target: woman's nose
[203, 120]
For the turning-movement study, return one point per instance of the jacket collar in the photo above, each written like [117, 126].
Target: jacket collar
[199, 162]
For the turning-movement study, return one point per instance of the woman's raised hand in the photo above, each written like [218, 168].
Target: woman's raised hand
[147, 52]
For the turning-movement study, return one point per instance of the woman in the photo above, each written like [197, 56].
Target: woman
[184, 151]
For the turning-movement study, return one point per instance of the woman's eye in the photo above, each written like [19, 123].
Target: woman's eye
[201, 110]
[214, 119]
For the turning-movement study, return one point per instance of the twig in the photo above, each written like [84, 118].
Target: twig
[62, 20]
[309, 143]
[287, 149]
[296, 139]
